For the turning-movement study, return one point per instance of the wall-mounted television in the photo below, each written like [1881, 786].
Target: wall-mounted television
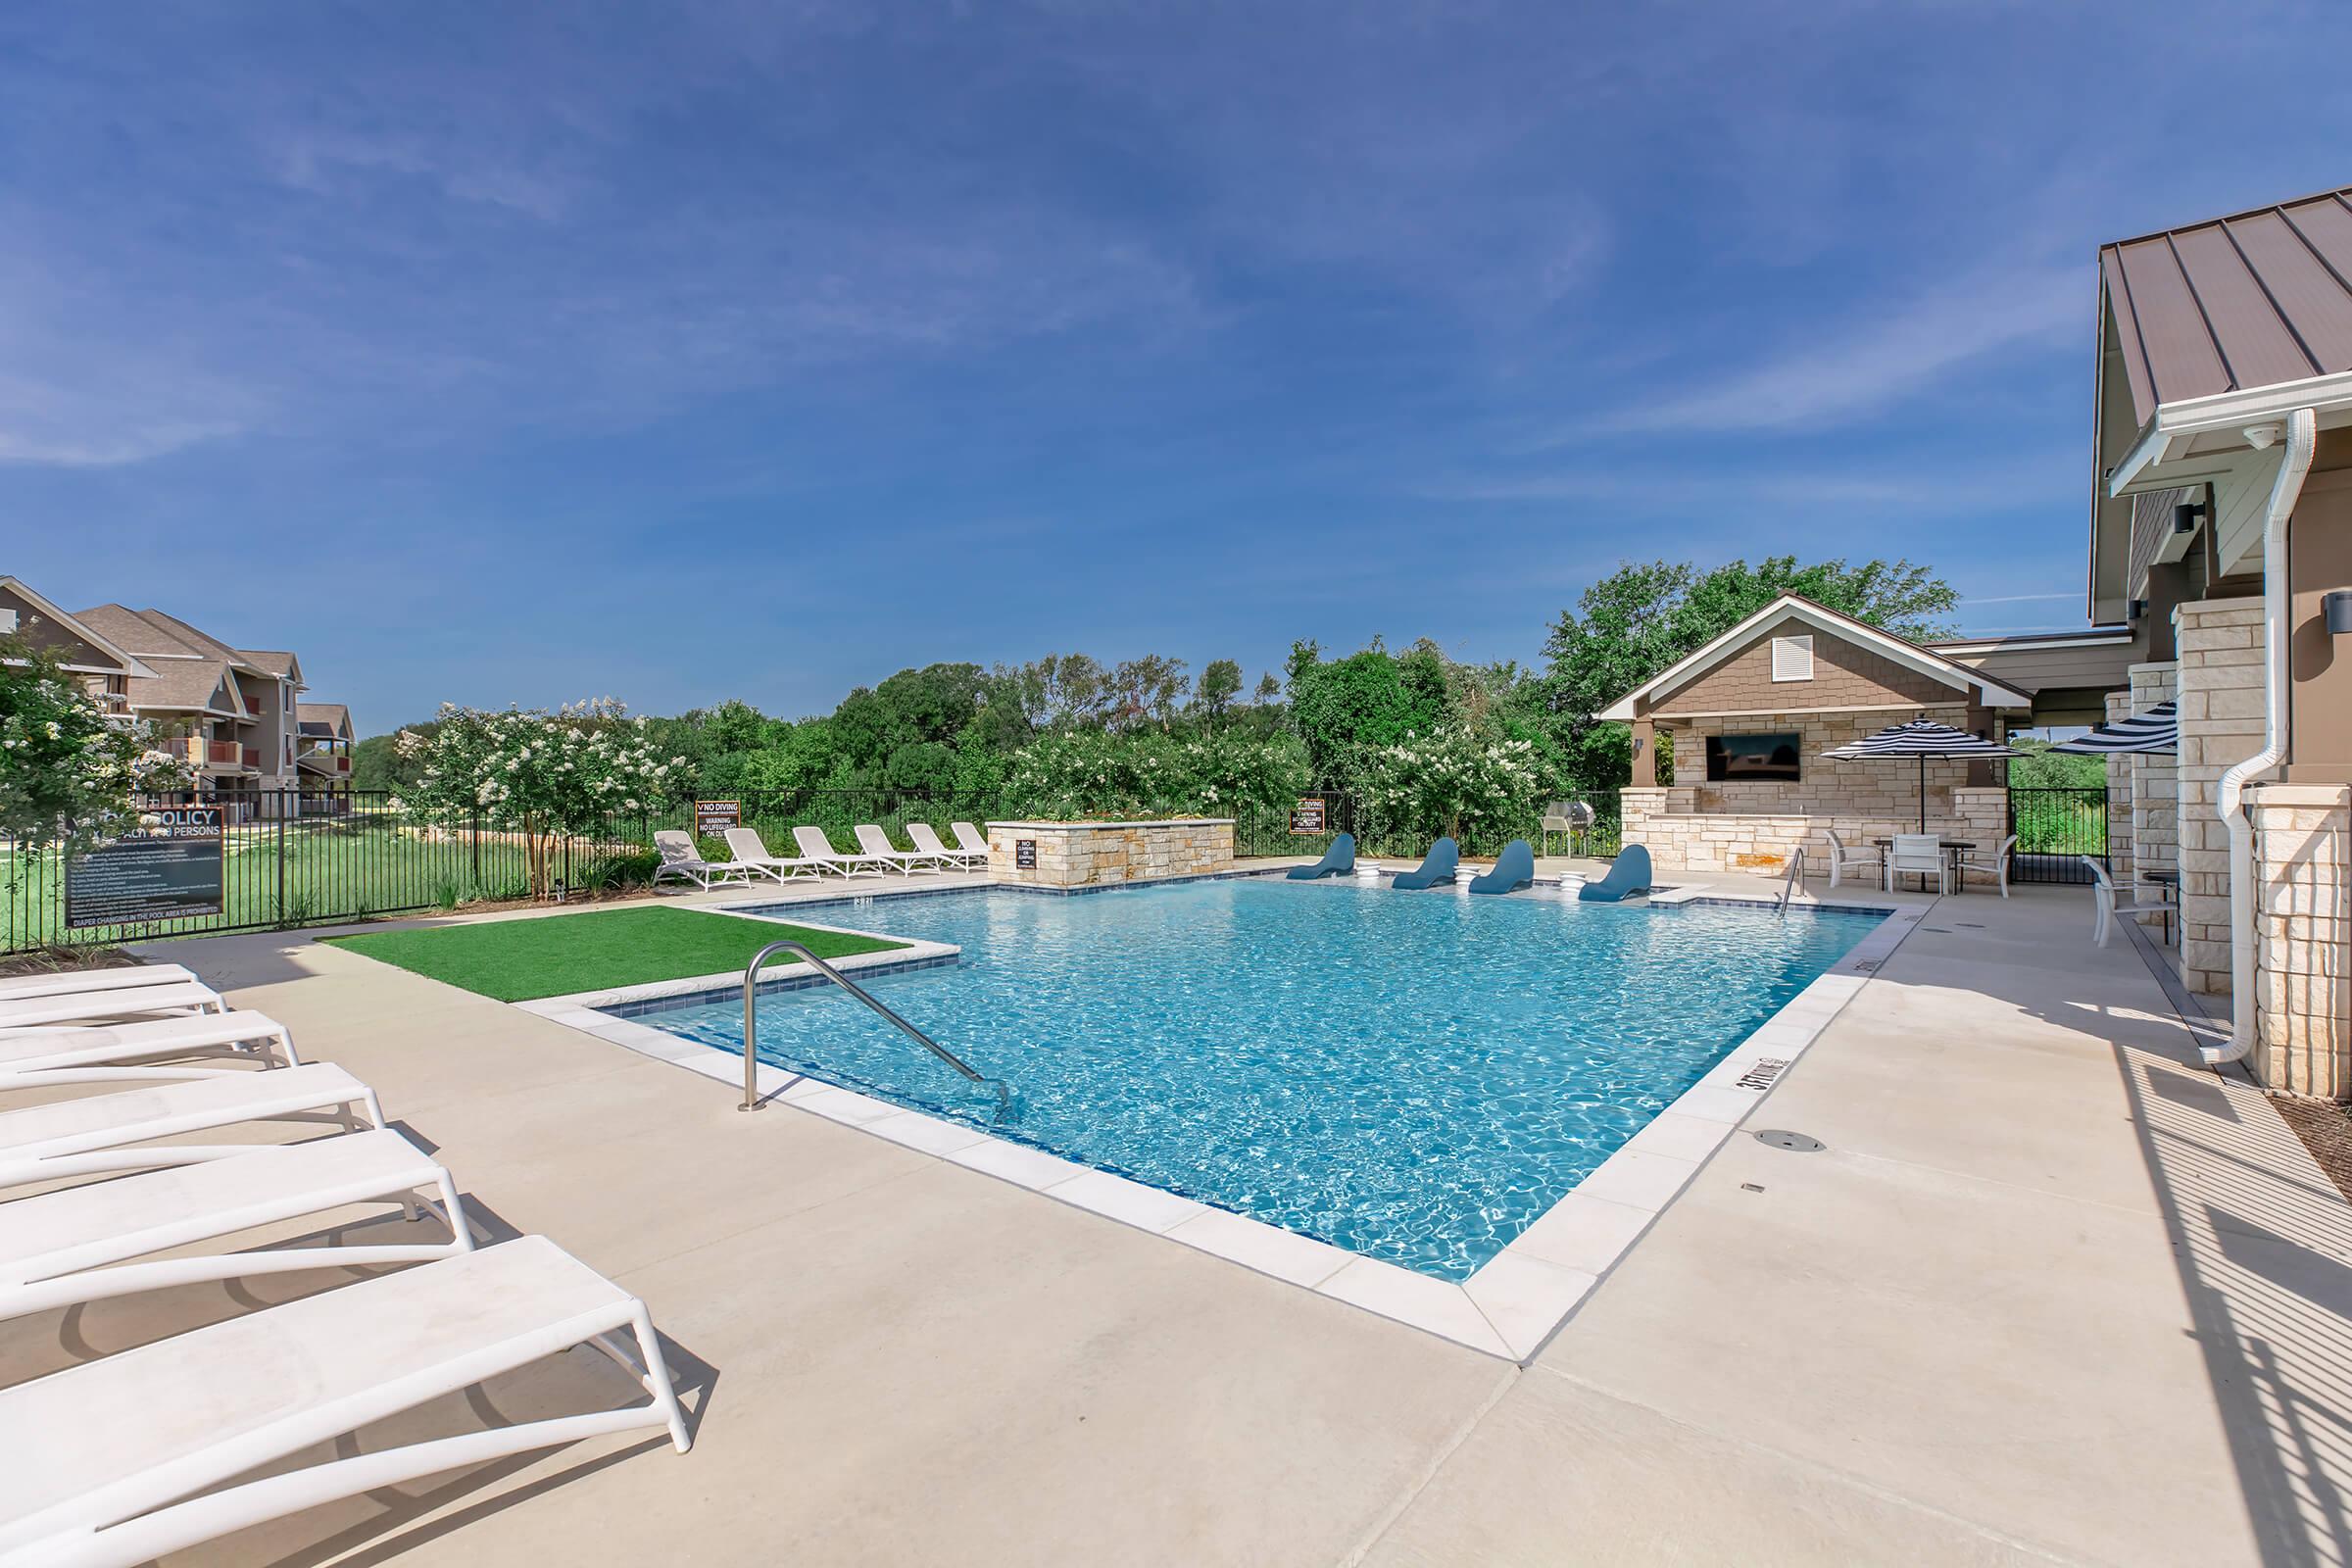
[1732, 758]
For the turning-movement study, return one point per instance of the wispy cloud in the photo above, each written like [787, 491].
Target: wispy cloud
[1897, 352]
[2014, 599]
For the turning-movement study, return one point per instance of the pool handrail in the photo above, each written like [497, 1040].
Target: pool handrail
[751, 1024]
[1797, 873]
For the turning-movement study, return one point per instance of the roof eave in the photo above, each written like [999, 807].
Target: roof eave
[2169, 433]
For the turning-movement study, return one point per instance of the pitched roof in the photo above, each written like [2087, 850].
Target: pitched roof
[127, 629]
[76, 626]
[182, 684]
[1901, 650]
[202, 642]
[270, 660]
[325, 720]
[2250, 300]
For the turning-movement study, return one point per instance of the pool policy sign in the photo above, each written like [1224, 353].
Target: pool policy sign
[169, 869]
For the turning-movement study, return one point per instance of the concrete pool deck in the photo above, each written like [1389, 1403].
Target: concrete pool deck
[2050, 1293]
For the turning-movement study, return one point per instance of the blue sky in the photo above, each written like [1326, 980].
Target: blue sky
[495, 352]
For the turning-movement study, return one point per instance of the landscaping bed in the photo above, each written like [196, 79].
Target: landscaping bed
[527, 960]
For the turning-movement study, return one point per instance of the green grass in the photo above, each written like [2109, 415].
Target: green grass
[522, 961]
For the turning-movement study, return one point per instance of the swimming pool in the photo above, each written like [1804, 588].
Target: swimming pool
[1414, 1077]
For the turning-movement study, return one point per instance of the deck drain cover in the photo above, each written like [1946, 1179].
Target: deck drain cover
[1776, 1137]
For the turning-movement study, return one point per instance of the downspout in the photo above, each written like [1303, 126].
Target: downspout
[2229, 800]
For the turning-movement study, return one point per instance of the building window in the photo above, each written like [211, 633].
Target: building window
[1732, 758]
[1792, 657]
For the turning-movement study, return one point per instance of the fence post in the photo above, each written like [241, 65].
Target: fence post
[281, 858]
[477, 837]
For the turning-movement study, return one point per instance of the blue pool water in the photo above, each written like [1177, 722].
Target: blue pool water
[1412, 1076]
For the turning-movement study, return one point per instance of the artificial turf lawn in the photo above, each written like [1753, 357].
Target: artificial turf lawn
[522, 961]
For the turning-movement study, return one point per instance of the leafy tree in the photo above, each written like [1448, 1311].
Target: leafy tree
[1220, 683]
[1346, 708]
[1147, 689]
[69, 773]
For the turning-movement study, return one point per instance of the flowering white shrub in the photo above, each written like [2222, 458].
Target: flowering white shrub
[68, 771]
[546, 776]
[1453, 780]
[1080, 773]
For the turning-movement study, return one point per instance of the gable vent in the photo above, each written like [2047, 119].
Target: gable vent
[1792, 657]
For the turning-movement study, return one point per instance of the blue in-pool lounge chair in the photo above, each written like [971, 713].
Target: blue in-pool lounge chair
[1628, 876]
[1338, 861]
[1437, 866]
[1514, 868]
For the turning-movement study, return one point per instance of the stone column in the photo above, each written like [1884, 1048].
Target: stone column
[2155, 781]
[2220, 676]
[2303, 860]
[2120, 837]
[1645, 754]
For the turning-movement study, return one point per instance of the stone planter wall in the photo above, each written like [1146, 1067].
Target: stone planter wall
[1073, 854]
[1681, 836]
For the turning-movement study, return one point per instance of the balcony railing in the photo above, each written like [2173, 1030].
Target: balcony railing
[253, 758]
[222, 753]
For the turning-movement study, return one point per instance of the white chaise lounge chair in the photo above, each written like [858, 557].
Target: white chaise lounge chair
[927, 841]
[35, 1012]
[123, 1442]
[970, 840]
[877, 846]
[750, 848]
[815, 846]
[78, 982]
[75, 1246]
[96, 1055]
[2106, 903]
[681, 860]
[1846, 858]
[101, 1134]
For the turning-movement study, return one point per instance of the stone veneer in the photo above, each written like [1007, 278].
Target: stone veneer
[2303, 865]
[2220, 687]
[1681, 837]
[1074, 854]
[2144, 789]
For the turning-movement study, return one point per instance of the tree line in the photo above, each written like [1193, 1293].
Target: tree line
[1074, 733]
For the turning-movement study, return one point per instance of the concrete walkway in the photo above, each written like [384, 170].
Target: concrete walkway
[2049, 1294]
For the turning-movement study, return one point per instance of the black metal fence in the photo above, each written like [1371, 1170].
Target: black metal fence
[2055, 828]
[299, 858]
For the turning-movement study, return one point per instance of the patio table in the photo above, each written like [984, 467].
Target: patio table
[2167, 884]
[1952, 850]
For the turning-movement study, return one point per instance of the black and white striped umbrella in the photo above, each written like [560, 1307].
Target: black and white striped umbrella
[2156, 730]
[1922, 738]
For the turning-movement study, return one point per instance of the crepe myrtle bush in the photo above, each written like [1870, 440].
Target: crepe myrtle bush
[1082, 773]
[544, 776]
[1455, 779]
[70, 772]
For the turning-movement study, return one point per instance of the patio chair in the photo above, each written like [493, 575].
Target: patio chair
[970, 840]
[682, 859]
[1845, 857]
[1338, 861]
[82, 982]
[1628, 875]
[1998, 868]
[1437, 866]
[816, 846]
[126, 1444]
[1918, 854]
[94, 1006]
[79, 1244]
[2106, 905]
[926, 839]
[750, 848]
[877, 846]
[95, 1056]
[1514, 868]
[102, 1134]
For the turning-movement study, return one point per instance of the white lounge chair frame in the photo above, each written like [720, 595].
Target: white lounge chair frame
[89, 1055]
[926, 839]
[108, 1133]
[815, 846]
[970, 840]
[126, 1516]
[114, 1222]
[750, 848]
[40, 1013]
[1998, 868]
[1845, 857]
[876, 843]
[680, 858]
[2106, 903]
[80, 982]
[1918, 854]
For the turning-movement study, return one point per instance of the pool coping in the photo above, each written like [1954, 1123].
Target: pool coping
[1510, 1308]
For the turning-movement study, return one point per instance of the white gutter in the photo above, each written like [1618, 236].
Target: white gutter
[2302, 434]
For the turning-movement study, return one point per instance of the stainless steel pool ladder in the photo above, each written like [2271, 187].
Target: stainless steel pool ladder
[1797, 870]
[751, 1024]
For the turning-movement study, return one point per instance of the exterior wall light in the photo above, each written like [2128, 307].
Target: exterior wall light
[2186, 516]
[2337, 608]
[2135, 609]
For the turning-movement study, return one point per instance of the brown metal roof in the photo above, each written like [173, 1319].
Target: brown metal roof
[2245, 301]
